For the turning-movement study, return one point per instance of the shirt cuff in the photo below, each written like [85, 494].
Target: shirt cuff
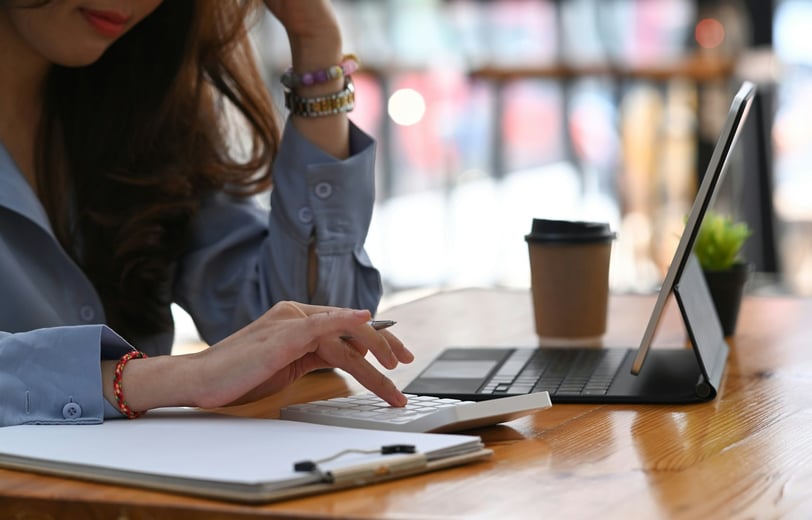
[315, 193]
[58, 379]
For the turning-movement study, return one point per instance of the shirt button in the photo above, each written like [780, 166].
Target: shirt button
[323, 190]
[87, 313]
[71, 411]
[305, 215]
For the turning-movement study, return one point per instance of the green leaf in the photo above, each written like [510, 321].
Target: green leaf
[719, 242]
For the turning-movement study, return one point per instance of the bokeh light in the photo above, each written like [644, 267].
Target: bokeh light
[406, 107]
[710, 33]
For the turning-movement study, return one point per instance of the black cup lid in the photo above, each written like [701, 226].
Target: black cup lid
[569, 231]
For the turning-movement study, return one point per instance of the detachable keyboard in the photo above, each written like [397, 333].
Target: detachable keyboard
[421, 413]
[561, 372]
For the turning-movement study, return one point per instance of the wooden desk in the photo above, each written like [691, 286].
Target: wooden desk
[746, 454]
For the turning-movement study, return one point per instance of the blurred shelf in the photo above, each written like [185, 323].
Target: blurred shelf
[698, 67]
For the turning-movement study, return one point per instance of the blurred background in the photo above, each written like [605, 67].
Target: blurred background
[490, 113]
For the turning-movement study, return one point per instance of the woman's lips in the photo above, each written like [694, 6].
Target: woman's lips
[107, 23]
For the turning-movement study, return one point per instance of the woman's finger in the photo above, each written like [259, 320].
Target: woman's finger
[403, 354]
[385, 346]
[334, 322]
[343, 356]
[292, 309]
[367, 339]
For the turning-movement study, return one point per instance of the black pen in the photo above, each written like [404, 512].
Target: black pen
[375, 324]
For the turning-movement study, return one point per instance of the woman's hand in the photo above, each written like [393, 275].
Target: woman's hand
[288, 341]
[304, 18]
[292, 339]
[313, 31]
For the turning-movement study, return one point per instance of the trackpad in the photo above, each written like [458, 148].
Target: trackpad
[459, 372]
[474, 369]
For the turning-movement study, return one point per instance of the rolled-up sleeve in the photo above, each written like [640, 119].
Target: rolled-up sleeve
[53, 375]
[243, 259]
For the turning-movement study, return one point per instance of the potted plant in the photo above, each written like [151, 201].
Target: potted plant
[718, 248]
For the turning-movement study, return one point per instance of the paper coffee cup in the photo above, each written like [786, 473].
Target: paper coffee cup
[569, 268]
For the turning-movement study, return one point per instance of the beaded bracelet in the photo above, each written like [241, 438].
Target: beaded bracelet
[117, 390]
[349, 64]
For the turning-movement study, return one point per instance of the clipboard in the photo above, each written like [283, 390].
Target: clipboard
[231, 458]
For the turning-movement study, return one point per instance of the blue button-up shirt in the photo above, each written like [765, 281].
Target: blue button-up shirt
[242, 259]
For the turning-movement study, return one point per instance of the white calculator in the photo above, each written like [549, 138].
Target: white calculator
[421, 414]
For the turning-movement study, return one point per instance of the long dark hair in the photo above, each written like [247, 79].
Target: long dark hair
[129, 145]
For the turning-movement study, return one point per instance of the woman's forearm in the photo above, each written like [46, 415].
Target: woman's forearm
[330, 133]
[316, 44]
[288, 341]
[153, 382]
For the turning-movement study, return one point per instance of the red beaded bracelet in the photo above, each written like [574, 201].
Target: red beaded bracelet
[119, 393]
[349, 64]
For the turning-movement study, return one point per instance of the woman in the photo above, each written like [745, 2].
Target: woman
[120, 192]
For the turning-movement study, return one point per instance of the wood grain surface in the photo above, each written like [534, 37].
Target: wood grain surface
[747, 454]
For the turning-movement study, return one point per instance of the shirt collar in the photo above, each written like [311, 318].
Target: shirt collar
[16, 194]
